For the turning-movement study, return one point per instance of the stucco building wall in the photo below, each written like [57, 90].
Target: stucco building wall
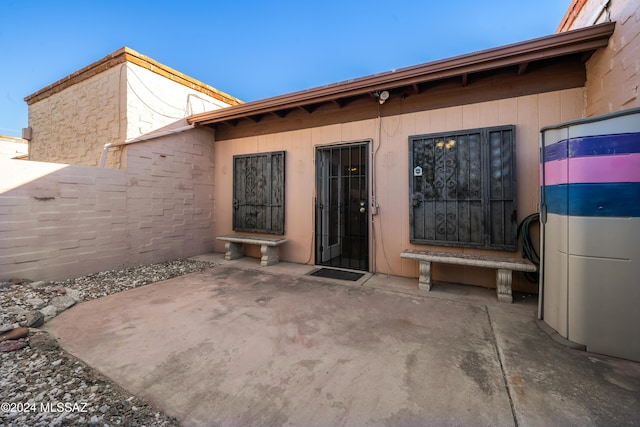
[62, 221]
[613, 74]
[73, 125]
[153, 101]
[114, 100]
[389, 232]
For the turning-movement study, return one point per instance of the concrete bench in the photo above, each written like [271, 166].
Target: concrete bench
[504, 265]
[268, 247]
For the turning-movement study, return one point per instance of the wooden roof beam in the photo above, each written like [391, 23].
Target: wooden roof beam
[338, 103]
[522, 68]
[280, 113]
[256, 118]
[308, 108]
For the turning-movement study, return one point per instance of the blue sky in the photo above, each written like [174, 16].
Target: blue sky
[252, 49]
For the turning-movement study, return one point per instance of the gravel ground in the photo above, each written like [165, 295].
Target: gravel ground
[41, 384]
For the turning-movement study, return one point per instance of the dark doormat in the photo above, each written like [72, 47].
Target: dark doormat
[337, 274]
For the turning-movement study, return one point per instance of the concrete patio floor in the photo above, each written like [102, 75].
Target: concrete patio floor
[243, 345]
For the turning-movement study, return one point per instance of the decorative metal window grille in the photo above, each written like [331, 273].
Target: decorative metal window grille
[462, 188]
[258, 192]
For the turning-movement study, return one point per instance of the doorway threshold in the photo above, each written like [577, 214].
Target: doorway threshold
[332, 273]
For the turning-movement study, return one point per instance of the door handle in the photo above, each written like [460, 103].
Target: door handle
[363, 210]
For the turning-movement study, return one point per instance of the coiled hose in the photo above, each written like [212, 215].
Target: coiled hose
[528, 250]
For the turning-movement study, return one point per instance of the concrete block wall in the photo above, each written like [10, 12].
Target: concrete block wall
[114, 100]
[613, 74]
[170, 196]
[63, 221]
[59, 221]
[72, 126]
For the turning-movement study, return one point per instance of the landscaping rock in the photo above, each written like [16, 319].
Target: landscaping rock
[62, 302]
[6, 327]
[43, 372]
[38, 284]
[14, 309]
[35, 302]
[33, 319]
[75, 294]
[11, 345]
[43, 342]
[14, 334]
[49, 312]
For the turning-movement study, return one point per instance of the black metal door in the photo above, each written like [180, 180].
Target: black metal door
[342, 208]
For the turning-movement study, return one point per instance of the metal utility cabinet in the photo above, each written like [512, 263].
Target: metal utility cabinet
[590, 232]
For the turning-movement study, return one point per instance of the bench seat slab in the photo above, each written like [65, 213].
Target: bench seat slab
[504, 268]
[268, 247]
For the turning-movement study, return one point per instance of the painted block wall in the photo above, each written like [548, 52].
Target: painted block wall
[389, 140]
[154, 102]
[73, 125]
[613, 74]
[59, 221]
[62, 221]
[170, 184]
[116, 105]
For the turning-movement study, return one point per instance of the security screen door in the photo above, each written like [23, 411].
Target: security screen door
[258, 192]
[342, 212]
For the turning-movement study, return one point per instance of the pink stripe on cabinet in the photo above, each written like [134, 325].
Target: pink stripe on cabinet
[593, 169]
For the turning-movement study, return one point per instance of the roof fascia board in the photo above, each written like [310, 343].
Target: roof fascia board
[555, 45]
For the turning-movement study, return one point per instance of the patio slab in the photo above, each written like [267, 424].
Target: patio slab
[244, 346]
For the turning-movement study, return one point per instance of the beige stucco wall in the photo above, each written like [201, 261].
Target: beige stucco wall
[390, 142]
[154, 102]
[117, 105]
[73, 125]
[613, 74]
[62, 221]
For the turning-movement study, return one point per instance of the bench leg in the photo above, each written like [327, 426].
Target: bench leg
[233, 251]
[424, 283]
[269, 255]
[503, 285]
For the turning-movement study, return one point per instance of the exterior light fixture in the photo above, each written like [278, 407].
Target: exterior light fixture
[383, 96]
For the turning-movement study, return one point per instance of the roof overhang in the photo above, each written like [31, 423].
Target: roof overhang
[583, 41]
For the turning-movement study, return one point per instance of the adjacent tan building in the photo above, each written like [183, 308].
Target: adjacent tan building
[114, 100]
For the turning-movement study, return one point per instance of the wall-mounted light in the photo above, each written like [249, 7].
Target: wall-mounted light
[383, 96]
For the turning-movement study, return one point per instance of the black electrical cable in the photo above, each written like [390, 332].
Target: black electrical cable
[528, 250]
